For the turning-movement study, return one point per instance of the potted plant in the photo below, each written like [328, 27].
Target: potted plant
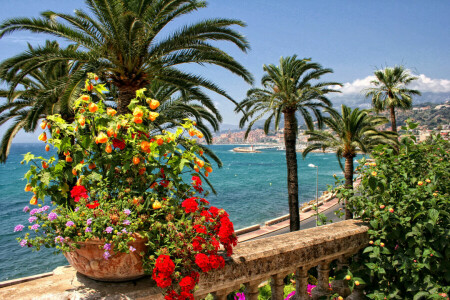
[125, 199]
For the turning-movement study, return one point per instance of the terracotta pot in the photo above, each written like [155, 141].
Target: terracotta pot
[89, 261]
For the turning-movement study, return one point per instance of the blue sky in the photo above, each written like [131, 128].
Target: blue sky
[354, 38]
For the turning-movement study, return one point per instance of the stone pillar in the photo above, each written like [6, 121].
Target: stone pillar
[341, 286]
[277, 287]
[301, 283]
[251, 290]
[322, 288]
[221, 295]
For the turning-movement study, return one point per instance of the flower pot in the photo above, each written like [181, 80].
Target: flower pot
[89, 261]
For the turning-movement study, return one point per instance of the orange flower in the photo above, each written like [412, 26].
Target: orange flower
[82, 121]
[57, 131]
[91, 166]
[28, 188]
[142, 171]
[33, 200]
[156, 205]
[420, 183]
[391, 210]
[160, 141]
[136, 160]
[44, 165]
[199, 134]
[110, 132]
[154, 104]
[43, 137]
[43, 124]
[101, 138]
[138, 112]
[69, 159]
[89, 87]
[108, 148]
[191, 132]
[93, 107]
[47, 148]
[208, 169]
[152, 115]
[74, 172]
[111, 112]
[145, 146]
[427, 180]
[374, 173]
[137, 120]
[85, 98]
[206, 174]
[200, 163]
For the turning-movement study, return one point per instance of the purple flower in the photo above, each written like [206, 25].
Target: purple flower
[127, 211]
[290, 295]
[45, 208]
[88, 229]
[35, 226]
[23, 243]
[107, 247]
[26, 209]
[18, 228]
[70, 223]
[124, 231]
[77, 209]
[32, 219]
[52, 216]
[396, 247]
[132, 249]
[89, 221]
[106, 255]
[240, 296]
[39, 210]
[59, 239]
[126, 222]
[109, 229]
[309, 288]
[33, 211]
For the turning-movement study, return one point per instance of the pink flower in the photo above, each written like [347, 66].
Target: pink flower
[132, 249]
[18, 228]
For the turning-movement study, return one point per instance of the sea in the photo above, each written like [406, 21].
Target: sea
[251, 187]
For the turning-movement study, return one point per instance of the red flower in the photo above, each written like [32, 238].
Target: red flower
[204, 201]
[187, 284]
[197, 243]
[216, 261]
[202, 261]
[119, 144]
[164, 268]
[185, 296]
[164, 183]
[78, 192]
[171, 295]
[206, 214]
[200, 229]
[190, 205]
[93, 205]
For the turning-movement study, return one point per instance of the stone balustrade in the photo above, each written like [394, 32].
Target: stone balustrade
[252, 263]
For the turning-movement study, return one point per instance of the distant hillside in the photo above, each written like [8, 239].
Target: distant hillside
[429, 117]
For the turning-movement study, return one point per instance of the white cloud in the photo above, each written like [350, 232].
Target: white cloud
[423, 84]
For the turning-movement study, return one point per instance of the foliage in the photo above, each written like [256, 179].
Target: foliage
[129, 185]
[404, 199]
[124, 42]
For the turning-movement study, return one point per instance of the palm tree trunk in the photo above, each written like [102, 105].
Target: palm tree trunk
[126, 93]
[393, 121]
[290, 138]
[348, 183]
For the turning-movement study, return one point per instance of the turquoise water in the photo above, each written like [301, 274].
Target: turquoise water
[251, 187]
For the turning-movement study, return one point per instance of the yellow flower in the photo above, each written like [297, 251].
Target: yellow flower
[420, 183]
[428, 180]
[374, 173]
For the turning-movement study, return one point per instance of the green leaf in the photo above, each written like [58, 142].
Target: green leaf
[372, 183]
[434, 215]
[420, 295]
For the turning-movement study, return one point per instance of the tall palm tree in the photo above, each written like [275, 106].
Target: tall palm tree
[44, 91]
[289, 89]
[122, 41]
[351, 131]
[390, 91]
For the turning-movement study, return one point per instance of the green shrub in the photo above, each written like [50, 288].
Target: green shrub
[404, 198]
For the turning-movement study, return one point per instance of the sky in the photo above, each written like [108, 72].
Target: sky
[354, 38]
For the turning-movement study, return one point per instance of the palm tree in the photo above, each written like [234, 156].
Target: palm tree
[122, 41]
[288, 89]
[352, 131]
[390, 91]
[44, 91]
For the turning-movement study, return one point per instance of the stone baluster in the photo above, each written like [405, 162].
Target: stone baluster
[277, 286]
[301, 283]
[358, 293]
[322, 288]
[341, 286]
[251, 290]
[221, 295]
